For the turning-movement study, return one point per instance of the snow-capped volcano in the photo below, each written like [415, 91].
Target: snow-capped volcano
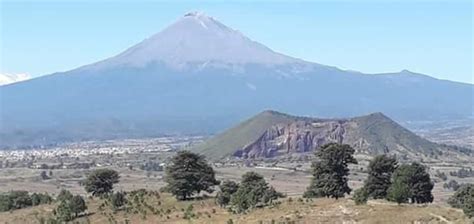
[198, 39]
[200, 76]
[6, 79]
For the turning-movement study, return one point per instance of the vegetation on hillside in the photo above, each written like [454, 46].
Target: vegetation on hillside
[154, 207]
[253, 191]
[69, 208]
[21, 199]
[463, 198]
[237, 137]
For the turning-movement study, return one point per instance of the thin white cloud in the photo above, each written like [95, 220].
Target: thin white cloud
[6, 79]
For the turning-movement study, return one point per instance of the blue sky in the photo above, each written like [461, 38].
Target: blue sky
[430, 37]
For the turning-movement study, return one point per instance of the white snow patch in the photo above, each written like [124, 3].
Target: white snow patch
[202, 24]
[6, 79]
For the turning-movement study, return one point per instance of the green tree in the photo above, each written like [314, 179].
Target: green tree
[64, 211]
[330, 171]
[70, 208]
[252, 192]
[189, 174]
[20, 199]
[417, 180]
[380, 172]
[35, 199]
[64, 195]
[101, 181]
[78, 205]
[463, 198]
[399, 192]
[360, 196]
[5, 202]
[38, 199]
[227, 188]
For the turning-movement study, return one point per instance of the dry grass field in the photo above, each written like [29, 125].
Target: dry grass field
[295, 210]
[283, 177]
[288, 181]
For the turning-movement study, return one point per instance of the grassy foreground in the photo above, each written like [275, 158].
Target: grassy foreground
[163, 208]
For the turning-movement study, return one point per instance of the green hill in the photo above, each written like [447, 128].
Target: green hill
[229, 141]
[274, 134]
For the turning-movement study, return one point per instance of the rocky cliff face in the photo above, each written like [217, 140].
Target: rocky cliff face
[372, 134]
[297, 137]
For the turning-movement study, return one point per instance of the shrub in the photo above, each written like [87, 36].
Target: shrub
[360, 196]
[64, 195]
[441, 175]
[39, 198]
[252, 192]
[117, 200]
[188, 213]
[452, 184]
[44, 175]
[21, 199]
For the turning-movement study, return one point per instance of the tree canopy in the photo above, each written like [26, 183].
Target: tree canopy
[463, 198]
[253, 191]
[70, 206]
[330, 171]
[101, 181]
[189, 174]
[227, 188]
[380, 173]
[398, 191]
[414, 178]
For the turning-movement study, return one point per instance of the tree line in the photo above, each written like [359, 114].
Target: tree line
[189, 174]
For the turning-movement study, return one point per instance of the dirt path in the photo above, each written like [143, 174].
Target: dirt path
[441, 218]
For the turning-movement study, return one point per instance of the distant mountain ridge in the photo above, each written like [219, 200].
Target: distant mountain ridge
[198, 76]
[272, 134]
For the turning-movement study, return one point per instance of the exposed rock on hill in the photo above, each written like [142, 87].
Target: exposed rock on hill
[282, 135]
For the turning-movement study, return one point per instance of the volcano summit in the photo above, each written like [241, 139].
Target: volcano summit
[200, 76]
